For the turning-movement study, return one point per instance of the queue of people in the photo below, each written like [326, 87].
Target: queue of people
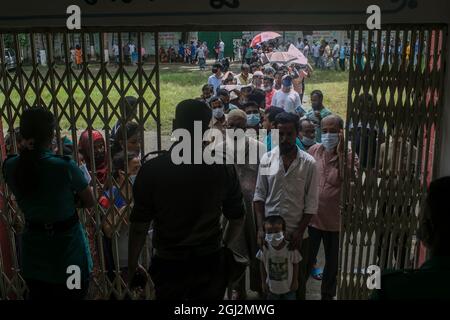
[209, 223]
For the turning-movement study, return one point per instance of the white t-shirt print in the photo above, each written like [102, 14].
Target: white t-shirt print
[279, 266]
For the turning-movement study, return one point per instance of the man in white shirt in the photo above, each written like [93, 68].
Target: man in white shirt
[201, 56]
[300, 44]
[287, 98]
[287, 185]
[115, 50]
[335, 54]
[221, 50]
[306, 49]
[216, 78]
[316, 54]
[132, 48]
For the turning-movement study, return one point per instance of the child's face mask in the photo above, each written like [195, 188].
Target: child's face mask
[274, 239]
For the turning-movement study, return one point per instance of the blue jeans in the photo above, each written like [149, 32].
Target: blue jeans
[286, 296]
[316, 62]
[336, 63]
[202, 63]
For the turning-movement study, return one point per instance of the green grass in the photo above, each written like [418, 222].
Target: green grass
[175, 87]
[178, 83]
[334, 86]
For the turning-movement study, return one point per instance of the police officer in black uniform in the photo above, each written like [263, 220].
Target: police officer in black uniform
[185, 202]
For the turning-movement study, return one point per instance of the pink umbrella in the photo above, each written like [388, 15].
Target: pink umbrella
[280, 57]
[265, 36]
[300, 57]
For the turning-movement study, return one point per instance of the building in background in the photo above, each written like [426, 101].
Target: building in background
[232, 40]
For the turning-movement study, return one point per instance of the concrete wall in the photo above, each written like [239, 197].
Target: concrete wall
[164, 13]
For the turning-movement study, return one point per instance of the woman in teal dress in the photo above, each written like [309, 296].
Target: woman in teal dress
[55, 254]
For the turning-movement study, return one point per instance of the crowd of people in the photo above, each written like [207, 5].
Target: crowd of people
[325, 54]
[270, 98]
[129, 52]
[208, 223]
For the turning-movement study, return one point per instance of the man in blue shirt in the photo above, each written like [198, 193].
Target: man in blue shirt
[317, 113]
[342, 56]
[193, 51]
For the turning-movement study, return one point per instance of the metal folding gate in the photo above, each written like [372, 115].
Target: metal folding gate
[395, 103]
[394, 107]
[40, 67]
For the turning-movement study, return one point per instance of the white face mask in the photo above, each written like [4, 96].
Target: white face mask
[218, 113]
[274, 239]
[132, 179]
[330, 140]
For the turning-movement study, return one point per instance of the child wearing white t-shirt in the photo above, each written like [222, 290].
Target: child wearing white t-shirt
[279, 265]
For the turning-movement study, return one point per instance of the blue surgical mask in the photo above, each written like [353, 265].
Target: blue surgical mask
[308, 142]
[253, 120]
[132, 179]
[330, 140]
[218, 113]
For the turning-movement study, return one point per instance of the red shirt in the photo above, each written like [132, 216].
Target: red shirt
[269, 96]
